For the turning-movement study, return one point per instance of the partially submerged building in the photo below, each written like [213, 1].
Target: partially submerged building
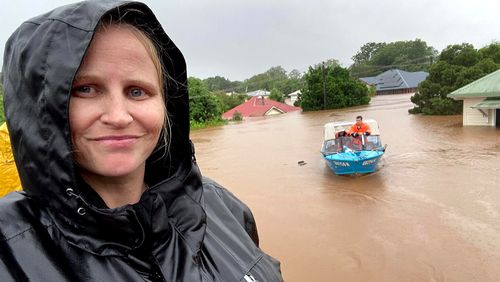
[481, 100]
[259, 93]
[395, 81]
[292, 97]
[258, 106]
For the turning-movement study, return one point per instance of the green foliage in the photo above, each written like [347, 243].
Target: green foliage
[372, 91]
[275, 77]
[365, 54]
[271, 78]
[219, 83]
[491, 51]
[228, 102]
[457, 65]
[375, 58]
[342, 90]
[203, 106]
[237, 116]
[199, 125]
[276, 95]
[294, 82]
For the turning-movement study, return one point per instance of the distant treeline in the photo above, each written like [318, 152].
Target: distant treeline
[374, 58]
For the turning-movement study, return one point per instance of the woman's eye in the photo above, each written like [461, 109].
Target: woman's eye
[137, 93]
[83, 90]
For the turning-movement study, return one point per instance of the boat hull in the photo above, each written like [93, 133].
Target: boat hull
[354, 162]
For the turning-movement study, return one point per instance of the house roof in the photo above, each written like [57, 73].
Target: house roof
[258, 106]
[396, 79]
[371, 80]
[486, 86]
[488, 103]
[295, 93]
[259, 92]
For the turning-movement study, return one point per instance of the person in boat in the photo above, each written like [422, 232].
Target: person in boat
[341, 133]
[339, 141]
[97, 109]
[359, 128]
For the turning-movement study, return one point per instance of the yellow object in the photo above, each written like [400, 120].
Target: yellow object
[9, 178]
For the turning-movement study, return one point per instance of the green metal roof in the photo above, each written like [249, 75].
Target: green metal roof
[486, 86]
[488, 103]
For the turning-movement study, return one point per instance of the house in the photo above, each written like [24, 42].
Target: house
[258, 106]
[481, 100]
[396, 81]
[292, 97]
[260, 92]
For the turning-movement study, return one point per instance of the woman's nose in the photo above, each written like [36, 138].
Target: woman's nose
[116, 112]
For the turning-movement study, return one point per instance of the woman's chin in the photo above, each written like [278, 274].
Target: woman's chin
[122, 169]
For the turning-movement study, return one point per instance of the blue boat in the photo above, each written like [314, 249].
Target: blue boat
[352, 155]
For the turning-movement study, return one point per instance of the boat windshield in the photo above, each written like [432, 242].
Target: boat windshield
[359, 143]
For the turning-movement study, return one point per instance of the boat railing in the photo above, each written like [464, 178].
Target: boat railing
[359, 143]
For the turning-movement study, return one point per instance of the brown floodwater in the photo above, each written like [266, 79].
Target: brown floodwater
[430, 213]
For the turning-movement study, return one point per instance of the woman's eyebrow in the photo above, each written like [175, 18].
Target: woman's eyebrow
[85, 77]
[133, 81]
[143, 83]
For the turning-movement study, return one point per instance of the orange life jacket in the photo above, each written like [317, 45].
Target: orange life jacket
[360, 128]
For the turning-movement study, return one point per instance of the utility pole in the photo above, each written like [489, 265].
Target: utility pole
[324, 86]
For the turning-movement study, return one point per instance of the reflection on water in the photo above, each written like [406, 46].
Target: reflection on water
[430, 213]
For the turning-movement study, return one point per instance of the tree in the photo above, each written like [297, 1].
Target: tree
[219, 83]
[456, 66]
[366, 52]
[203, 106]
[237, 116]
[491, 51]
[294, 75]
[228, 102]
[461, 55]
[341, 89]
[294, 82]
[274, 77]
[276, 95]
[375, 58]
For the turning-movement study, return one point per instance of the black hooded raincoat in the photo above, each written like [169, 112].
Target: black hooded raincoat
[185, 227]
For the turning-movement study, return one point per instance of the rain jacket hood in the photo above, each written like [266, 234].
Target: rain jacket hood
[184, 228]
[38, 73]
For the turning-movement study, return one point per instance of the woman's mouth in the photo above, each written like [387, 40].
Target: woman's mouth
[117, 141]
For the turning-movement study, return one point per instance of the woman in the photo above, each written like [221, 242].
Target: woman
[97, 109]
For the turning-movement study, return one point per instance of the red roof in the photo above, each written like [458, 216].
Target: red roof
[258, 106]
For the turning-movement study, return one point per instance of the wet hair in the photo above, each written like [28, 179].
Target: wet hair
[359, 117]
[128, 17]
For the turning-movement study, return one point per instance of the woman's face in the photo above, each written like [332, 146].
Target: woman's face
[116, 109]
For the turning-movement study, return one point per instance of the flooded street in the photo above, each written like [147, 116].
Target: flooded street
[430, 213]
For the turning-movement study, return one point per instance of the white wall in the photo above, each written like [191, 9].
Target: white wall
[474, 116]
[273, 111]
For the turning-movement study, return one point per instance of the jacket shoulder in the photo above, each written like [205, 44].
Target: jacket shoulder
[17, 215]
[238, 209]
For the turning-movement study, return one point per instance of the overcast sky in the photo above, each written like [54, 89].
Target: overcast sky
[238, 39]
